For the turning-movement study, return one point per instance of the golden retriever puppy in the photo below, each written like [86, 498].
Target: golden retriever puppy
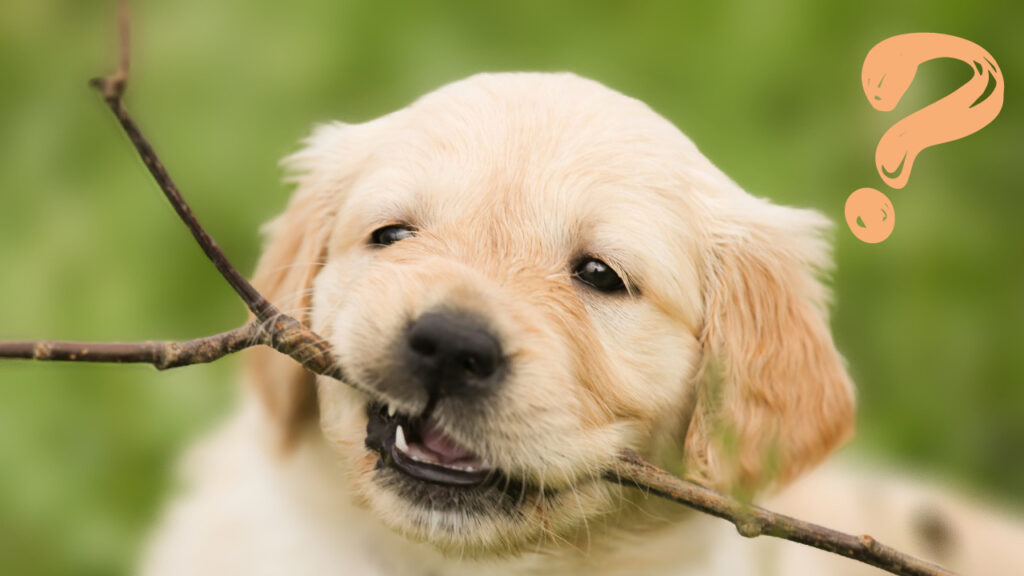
[522, 275]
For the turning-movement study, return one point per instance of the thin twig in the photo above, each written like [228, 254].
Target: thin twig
[112, 88]
[287, 335]
[752, 521]
[161, 354]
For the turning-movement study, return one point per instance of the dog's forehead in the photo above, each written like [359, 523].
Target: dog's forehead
[546, 150]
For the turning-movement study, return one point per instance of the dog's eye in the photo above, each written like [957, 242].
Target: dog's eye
[388, 235]
[596, 273]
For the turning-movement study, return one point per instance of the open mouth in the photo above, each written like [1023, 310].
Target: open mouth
[419, 448]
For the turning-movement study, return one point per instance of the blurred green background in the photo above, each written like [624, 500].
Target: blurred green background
[930, 320]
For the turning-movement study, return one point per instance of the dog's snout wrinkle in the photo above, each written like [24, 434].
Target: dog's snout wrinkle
[452, 354]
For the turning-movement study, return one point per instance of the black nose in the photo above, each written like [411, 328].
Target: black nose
[452, 354]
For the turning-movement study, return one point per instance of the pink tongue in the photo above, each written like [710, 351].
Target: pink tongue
[446, 449]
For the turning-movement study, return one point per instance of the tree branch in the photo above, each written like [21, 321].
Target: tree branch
[752, 521]
[161, 354]
[279, 331]
[113, 87]
[288, 336]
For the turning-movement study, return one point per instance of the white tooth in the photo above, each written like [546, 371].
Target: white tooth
[400, 440]
[391, 410]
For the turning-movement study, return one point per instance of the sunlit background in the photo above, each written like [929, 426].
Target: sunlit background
[930, 321]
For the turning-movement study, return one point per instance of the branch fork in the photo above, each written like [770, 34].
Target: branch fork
[270, 327]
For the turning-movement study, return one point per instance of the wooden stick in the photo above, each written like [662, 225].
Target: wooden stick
[752, 521]
[161, 354]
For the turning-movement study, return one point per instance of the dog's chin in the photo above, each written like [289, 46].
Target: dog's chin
[428, 488]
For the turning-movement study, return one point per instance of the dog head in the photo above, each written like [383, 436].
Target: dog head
[525, 274]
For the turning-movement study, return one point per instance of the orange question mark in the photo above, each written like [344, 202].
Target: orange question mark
[888, 71]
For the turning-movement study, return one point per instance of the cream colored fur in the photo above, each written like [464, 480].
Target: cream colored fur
[718, 364]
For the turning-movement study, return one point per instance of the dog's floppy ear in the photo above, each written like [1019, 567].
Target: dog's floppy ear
[775, 395]
[295, 251]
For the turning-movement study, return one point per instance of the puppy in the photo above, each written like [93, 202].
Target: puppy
[522, 275]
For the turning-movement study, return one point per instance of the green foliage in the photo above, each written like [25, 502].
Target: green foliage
[930, 320]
